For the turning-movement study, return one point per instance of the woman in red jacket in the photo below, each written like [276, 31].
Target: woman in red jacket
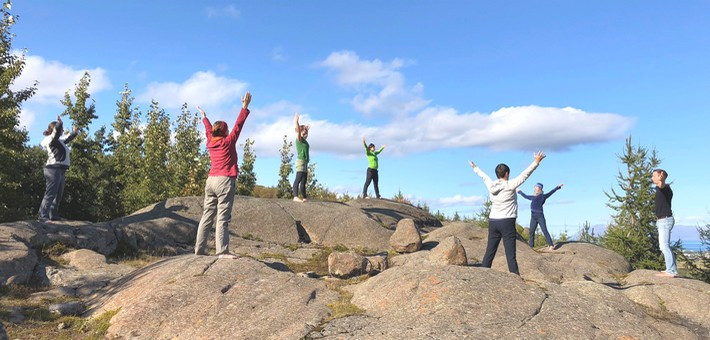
[221, 182]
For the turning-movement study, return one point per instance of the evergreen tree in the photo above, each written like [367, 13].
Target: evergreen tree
[106, 179]
[156, 179]
[126, 145]
[16, 201]
[247, 178]
[482, 217]
[81, 192]
[285, 190]
[456, 217]
[316, 189]
[586, 234]
[187, 160]
[633, 232]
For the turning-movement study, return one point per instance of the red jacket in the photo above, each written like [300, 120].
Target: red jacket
[223, 152]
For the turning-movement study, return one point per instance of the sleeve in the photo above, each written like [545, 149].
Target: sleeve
[547, 195]
[57, 131]
[367, 150]
[380, 150]
[208, 128]
[70, 137]
[487, 180]
[525, 196]
[518, 181]
[237, 129]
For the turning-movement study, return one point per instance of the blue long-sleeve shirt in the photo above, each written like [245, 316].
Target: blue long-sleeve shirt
[536, 201]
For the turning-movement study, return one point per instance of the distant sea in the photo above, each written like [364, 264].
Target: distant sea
[694, 245]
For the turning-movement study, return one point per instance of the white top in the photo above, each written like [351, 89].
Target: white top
[504, 196]
[57, 149]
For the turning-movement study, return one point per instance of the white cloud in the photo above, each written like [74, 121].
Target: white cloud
[56, 78]
[524, 128]
[27, 117]
[379, 85]
[457, 200]
[280, 108]
[202, 88]
[229, 11]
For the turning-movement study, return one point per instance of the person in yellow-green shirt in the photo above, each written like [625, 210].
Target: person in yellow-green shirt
[302, 158]
[372, 174]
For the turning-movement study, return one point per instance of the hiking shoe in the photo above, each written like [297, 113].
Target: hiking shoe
[228, 255]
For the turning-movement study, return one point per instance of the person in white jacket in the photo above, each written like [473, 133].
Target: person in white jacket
[504, 210]
[55, 169]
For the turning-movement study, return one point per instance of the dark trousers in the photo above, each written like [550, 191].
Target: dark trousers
[54, 178]
[497, 229]
[535, 219]
[300, 183]
[372, 176]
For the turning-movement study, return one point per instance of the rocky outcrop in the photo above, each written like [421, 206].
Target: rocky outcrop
[194, 296]
[388, 213]
[347, 264]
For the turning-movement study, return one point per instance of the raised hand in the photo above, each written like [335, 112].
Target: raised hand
[363, 139]
[59, 118]
[473, 165]
[76, 129]
[539, 156]
[560, 186]
[246, 99]
[204, 115]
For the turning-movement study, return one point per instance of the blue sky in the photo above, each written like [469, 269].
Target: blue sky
[438, 82]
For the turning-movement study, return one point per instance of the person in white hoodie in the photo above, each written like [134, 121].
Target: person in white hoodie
[55, 169]
[504, 210]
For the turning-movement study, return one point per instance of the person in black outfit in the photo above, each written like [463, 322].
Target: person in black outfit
[664, 220]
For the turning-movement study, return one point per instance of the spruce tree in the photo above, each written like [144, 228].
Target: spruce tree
[187, 166]
[155, 176]
[126, 145]
[247, 178]
[16, 200]
[633, 231]
[285, 170]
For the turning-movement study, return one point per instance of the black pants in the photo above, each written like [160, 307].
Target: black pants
[300, 183]
[504, 228]
[372, 175]
[535, 219]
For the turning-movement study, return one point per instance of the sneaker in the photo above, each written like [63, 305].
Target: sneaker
[666, 274]
[367, 197]
[297, 199]
[304, 200]
[228, 255]
[44, 220]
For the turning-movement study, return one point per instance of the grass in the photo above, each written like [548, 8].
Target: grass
[51, 253]
[126, 254]
[249, 236]
[318, 263]
[40, 323]
[344, 307]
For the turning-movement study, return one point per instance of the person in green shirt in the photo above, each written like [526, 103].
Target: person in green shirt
[372, 174]
[302, 159]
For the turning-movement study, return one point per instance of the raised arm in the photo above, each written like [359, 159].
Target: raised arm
[206, 122]
[380, 150]
[243, 114]
[521, 193]
[548, 194]
[72, 135]
[58, 129]
[487, 180]
[518, 181]
[298, 127]
[364, 143]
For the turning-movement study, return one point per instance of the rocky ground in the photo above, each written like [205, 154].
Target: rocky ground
[366, 269]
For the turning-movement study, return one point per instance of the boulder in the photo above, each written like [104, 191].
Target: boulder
[193, 296]
[687, 298]
[449, 251]
[388, 212]
[406, 238]
[17, 261]
[377, 263]
[85, 259]
[347, 264]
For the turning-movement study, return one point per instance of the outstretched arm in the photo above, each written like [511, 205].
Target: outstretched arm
[487, 180]
[243, 114]
[58, 129]
[521, 193]
[298, 127]
[548, 194]
[380, 150]
[518, 181]
[72, 135]
[206, 122]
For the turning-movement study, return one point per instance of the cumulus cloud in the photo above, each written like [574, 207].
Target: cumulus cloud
[229, 11]
[457, 200]
[202, 88]
[55, 78]
[27, 117]
[379, 85]
[524, 128]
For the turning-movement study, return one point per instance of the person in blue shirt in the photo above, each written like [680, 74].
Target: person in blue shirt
[537, 214]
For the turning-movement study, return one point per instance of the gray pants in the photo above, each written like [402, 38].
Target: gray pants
[219, 198]
[49, 209]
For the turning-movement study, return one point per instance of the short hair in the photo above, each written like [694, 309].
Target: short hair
[501, 170]
[662, 172]
[371, 146]
[219, 129]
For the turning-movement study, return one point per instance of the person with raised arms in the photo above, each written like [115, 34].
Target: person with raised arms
[537, 216]
[504, 210]
[55, 169]
[302, 159]
[372, 169]
[221, 181]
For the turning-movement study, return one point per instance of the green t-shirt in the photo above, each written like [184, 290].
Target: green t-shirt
[302, 157]
[372, 156]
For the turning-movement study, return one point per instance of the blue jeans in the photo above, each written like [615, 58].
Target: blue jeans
[49, 208]
[665, 225]
[535, 219]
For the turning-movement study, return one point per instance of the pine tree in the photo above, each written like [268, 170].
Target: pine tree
[188, 168]
[285, 190]
[247, 178]
[15, 186]
[81, 192]
[482, 217]
[126, 144]
[633, 233]
[456, 217]
[155, 176]
[586, 234]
